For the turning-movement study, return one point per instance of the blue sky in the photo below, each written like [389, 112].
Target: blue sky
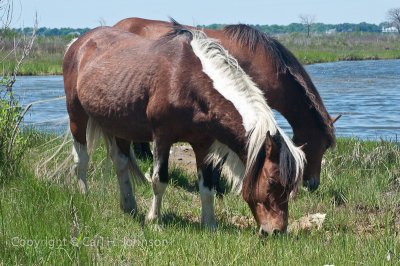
[89, 13]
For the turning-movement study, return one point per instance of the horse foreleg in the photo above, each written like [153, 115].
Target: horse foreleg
[206, 188]
[119, 152]
[207, 195]
[159, 179]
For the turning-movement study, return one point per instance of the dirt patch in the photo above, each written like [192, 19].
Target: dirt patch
[182, 155]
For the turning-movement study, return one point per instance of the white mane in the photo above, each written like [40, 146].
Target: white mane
[235, 85]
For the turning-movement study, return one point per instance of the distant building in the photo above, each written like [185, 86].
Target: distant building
[74, 33]
[331, 31]
[389, 30]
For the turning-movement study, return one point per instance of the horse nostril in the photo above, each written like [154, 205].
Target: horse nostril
[275, 232]
[262, 232]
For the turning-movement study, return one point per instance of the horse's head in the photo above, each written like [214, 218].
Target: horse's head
[315, 145]
[267, 189]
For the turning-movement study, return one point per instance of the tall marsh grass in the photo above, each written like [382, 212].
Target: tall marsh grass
[342, 46]
[45, 57]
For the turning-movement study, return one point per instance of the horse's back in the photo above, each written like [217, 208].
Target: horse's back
[86, 52]
[151, 29]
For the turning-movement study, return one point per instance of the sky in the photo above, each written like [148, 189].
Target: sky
[92, 13]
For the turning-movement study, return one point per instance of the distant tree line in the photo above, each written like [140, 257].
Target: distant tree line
[316, 27]
[43, 31]
[271, 29]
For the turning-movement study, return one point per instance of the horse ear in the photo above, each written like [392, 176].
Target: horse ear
[268, 142]
[302, 146]
[333, 120]
[271, 147]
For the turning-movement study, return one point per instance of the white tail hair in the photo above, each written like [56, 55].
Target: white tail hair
[58, 160]
[93, 134]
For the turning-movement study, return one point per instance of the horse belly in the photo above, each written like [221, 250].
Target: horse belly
[120, 112]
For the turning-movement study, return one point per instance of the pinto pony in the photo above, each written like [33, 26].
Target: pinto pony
[279, 75]
[182, 87]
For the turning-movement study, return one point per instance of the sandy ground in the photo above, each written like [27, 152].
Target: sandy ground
[182, 156]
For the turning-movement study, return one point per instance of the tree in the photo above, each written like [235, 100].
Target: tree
[307, 21]
[393, 16]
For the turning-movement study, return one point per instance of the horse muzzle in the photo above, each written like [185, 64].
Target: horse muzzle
[266, 230]
[311, 184]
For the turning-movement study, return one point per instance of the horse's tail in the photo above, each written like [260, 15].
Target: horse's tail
[137, 174]
[57, 161]
[54, 159]
[93, 134]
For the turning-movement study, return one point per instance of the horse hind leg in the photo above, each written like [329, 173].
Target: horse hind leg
[159, 178]
[81, 162]
[78, 127]
[119, 150]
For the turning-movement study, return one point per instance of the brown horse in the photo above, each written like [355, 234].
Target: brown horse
[284, 82]
[183, 87]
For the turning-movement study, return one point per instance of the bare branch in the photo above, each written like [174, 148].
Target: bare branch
[307, 20]
[26, 48]
[393, 16]
[6, 11]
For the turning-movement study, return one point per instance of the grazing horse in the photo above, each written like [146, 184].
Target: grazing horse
[182, 87]
[283, 80]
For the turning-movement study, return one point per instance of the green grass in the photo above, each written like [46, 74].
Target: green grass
[360, 193]
[37, 64]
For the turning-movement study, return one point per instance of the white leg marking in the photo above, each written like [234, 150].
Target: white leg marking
[207, 204]
[158, 192]
[155, 210]
[121, 163]
[81, 161]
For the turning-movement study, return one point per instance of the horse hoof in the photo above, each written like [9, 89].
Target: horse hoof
[147, 175]
[212, 226]
[82, 187]
[153, 218]
[129, 207]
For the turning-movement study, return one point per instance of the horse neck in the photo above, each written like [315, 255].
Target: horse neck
[229, 130]
[281, 90]
[287, 97]
[220, 119]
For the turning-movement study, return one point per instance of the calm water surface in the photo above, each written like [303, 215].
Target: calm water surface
[367, 93]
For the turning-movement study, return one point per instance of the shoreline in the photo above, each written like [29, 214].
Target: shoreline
[320, 61]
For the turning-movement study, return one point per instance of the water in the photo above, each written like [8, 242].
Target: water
[366, 93]
[50, 115]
